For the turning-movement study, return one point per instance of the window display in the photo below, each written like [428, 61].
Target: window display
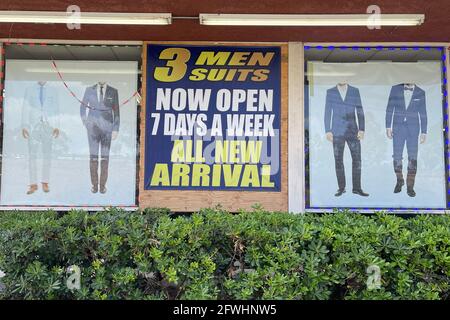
[69, 135]
[376, 134]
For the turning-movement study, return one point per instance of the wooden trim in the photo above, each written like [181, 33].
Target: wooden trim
[296, 162]
[371, 44]
[216, 43]
[390, 211]
[64, 208]
[73, 42]
[193, 200]
[447, 65]
[142, 115]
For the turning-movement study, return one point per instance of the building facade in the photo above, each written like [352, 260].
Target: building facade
[192, 114]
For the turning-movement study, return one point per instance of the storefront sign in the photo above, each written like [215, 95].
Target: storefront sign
[213, 118]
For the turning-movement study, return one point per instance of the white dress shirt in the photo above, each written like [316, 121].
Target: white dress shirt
[343, 91]
[98, 92]
[42, 87]
[408, 94]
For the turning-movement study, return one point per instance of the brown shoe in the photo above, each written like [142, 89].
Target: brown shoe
[32, 189]
[45, 187]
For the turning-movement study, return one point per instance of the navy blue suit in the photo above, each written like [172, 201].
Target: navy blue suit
[406, 122]
[340, 119]
[101, 117]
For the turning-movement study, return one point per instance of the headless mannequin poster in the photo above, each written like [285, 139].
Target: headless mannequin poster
[60, 150]
[376, 135]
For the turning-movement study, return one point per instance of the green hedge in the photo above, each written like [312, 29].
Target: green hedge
[217, 255]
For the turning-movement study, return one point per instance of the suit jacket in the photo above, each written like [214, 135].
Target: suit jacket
[32, 110]
[397, 110]
[110, 103]
[340, 114]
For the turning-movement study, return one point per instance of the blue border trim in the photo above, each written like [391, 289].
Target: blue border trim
[446, 112]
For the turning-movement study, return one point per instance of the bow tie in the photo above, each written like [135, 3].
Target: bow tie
[409, 89]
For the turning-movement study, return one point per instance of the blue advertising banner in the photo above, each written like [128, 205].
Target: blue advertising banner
[213, 118]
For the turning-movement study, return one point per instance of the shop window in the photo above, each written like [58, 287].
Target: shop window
[376, 128]
[70, 126]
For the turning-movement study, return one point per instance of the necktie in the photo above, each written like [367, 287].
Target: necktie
[41, 95]
[409, 89]
[101, 94]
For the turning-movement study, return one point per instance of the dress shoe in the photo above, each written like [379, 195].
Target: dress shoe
[361, 193]
[339, 192]
[94, 189]
[45, 187]
[32, 189]
[398, 186]
[411, 192]
[102, 189]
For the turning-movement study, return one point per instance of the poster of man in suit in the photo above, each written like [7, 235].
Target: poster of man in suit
[344, 124]
[100, 114]
[384, 120]
[406, 118]
[69, 139]
[40, 126]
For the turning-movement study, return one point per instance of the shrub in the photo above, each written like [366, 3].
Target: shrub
[213, 254]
